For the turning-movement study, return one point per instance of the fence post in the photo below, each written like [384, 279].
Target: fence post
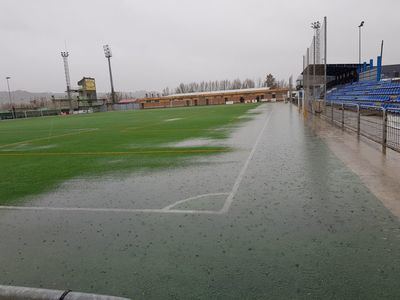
[332, 111]
[342, 115]
[358, 120]
[384, 131]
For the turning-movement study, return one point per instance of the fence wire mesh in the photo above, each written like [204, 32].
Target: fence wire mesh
[374, 123]
[393, 130]
[371, 124]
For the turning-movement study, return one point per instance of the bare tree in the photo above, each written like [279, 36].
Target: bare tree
[165, 91]
[282, 84]
[181, 89]
[248, 84]
[236, 84]
[259, 83]
[222, 85]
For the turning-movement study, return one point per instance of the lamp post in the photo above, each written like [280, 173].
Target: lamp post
[108, 54]
[359, 41]
[9, 96]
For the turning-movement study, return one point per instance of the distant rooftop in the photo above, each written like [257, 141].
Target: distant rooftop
[253, 90]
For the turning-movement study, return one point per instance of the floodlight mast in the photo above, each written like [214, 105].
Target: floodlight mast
[65, 55]
[317, 33]
[359, 41]
[108, 55]
[316, 51]
[9, 96]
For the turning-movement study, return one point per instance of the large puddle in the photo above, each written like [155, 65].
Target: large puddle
[158, 189]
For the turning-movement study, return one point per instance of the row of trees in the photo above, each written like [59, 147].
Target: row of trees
[209, 86]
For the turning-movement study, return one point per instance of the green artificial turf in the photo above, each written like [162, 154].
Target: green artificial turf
[39, 153]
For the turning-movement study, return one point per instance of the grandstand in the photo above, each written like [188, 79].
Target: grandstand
[363, 97]
[380, 94]
[370, 108]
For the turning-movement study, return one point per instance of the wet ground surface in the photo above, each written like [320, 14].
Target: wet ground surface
[301, 225]
[379, 171]
[207, 176]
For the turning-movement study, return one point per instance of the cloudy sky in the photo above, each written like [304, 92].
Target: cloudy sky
[159, 43]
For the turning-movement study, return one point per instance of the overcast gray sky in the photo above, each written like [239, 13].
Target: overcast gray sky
[159, 43]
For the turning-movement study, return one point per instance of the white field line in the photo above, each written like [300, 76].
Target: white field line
[172, 120]
[168, 209]
[193, 198]
[116, 210]
[50, 137]
[229, 200]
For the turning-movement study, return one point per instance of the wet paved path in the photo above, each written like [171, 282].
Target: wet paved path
[301, 225]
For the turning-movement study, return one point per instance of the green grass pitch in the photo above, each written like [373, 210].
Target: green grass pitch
[38, 154]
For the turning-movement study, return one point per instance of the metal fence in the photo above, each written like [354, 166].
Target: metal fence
[127, 106]
[393, 130]
[28, 114]
[375, 123]
[24, 114]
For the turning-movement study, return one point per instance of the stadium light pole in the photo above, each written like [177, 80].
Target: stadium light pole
[9, 96]
[315, 26]
[65, 55]
[108, 54]
[359, 41]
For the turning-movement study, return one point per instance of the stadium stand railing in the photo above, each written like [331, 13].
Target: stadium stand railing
[371, 109]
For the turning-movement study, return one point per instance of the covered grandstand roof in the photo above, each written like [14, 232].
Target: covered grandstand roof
[391, 71]
[331, 69]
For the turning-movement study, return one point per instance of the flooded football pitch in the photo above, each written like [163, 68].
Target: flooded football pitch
[279, 217]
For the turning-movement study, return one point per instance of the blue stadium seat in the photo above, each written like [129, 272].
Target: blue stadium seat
[367, 93]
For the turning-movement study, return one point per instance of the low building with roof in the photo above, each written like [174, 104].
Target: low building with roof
[215, 98]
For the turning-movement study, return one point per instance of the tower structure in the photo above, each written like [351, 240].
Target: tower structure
[65, 55]
[317, 28]
[108, 55]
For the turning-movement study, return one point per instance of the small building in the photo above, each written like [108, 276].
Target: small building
[87, 99]
[215, 98]
[87, 90]
[83, 98]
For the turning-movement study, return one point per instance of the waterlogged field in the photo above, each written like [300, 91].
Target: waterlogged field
[280, 217]
[38, 154]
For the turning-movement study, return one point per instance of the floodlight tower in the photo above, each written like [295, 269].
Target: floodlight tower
[316, 51]
[65, 55]
[317, 33]
[108, 54]
[9, 96]
[359, 41]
